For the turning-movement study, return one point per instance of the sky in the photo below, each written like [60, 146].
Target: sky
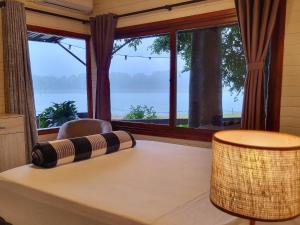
[48, 59]
[144, 65]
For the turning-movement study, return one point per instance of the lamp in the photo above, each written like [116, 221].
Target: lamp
[256, 175]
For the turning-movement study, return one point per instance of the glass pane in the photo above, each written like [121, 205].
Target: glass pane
[210, 77]
[59, 79]
[139, 80]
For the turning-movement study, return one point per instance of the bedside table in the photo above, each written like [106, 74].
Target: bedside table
[12, 141]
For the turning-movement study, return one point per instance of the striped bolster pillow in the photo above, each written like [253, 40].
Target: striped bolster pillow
[54, 153]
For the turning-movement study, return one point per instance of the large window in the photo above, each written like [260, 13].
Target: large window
[59, 72]
[189, 78]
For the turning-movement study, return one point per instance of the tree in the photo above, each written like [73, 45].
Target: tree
[205, 92]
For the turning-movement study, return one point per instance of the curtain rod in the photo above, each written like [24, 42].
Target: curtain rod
[165, 7]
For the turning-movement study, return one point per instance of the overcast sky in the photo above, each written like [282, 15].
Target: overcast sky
[49, 59]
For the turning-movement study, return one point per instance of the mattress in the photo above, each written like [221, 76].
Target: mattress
[153, 184]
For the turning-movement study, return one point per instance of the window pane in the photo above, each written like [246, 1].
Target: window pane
[210, 78]
[59, 79]
[139, 80]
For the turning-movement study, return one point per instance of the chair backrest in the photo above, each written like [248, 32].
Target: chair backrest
[83, 127]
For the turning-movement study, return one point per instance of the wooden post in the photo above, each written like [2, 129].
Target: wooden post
[252, 222]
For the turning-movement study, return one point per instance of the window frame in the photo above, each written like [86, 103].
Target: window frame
[52, 130]
[212, 19]
[171, 27]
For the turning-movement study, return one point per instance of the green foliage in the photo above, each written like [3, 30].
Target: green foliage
[184, 47]
[186, 125]
[233, 59]
[58, 114]
[141, 112]
[131, 42]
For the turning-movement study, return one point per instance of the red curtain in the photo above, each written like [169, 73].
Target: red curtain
[257, 20]
[103, 29]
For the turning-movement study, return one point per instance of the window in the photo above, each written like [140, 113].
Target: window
[210, 78]
[60, 76]
[139, 80]
[201, 81]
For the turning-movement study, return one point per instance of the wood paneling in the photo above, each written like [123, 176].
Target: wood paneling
[38, 19]
[290, 101]
[291, 112]
[126, 6]
[219, 18]
[11, 125]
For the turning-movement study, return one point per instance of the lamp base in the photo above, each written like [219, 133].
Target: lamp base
[252, 222]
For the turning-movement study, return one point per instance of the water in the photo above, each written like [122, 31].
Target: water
[121, 102]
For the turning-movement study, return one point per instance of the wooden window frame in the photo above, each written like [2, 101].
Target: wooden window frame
[212, 19]
[88, 67]
[170, 27]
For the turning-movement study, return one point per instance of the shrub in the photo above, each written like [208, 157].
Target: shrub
[58, 114]
[141, 112]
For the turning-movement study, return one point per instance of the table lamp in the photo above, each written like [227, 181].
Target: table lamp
[256, 175]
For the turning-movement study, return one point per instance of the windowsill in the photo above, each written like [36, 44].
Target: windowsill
[45, 131]
[166, 131]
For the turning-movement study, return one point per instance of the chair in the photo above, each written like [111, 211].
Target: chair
[83, 127]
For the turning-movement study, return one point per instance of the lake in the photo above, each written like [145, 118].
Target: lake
[121, 102]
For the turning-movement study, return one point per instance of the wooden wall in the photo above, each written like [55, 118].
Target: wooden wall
[290, 102]
[55, 22]
[125, 6]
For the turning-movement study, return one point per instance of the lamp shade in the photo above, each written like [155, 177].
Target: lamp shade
[256, 174]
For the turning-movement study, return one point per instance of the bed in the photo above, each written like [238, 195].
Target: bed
[154, 184]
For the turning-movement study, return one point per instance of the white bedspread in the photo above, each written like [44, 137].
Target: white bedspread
[154, 184]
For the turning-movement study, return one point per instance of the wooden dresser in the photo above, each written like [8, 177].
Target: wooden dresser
[12, 141]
